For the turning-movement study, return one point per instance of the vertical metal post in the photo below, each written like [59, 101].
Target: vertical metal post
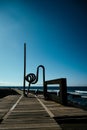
[24, 68]
[63, 92]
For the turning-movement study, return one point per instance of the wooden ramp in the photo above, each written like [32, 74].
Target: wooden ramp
[28, 114]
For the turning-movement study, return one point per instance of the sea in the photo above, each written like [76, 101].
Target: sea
[76, 94]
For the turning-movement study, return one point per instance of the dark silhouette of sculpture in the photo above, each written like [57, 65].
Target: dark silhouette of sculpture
[33, 79]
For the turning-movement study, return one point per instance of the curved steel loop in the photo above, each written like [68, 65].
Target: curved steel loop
[31, 78]
[43, 70]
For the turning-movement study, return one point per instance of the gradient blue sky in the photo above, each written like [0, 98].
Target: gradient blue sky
[55, 32]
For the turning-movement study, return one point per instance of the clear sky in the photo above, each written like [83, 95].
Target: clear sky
[55, 32]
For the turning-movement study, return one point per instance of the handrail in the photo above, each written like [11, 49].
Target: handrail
[55, 81]
[63, 89]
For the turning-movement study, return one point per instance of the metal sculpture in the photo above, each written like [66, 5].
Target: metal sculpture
[31, 78]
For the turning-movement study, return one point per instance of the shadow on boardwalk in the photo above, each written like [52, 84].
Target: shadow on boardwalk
[7, 91]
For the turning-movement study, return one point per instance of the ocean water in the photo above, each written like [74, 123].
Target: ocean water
[76, 94]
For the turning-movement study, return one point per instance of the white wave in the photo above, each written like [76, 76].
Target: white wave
[84, 96]
[83, 92]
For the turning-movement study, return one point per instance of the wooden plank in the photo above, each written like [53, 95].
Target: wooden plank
[29, 114]
[61, 111]
[6, 103]
[69, 118]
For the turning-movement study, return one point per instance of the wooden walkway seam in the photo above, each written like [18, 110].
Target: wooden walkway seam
[44, 106]
[35, 113]
[28, 113]
[12, 108]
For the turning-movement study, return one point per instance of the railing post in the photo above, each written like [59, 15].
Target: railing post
[45, 90]
[63, 92]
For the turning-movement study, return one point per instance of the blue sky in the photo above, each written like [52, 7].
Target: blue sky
[55, 32]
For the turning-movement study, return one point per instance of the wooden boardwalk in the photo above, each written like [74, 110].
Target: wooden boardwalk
[6, 103]
[69, 118]
[28, 114]
[33, 112]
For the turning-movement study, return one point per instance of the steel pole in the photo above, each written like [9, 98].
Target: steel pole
[24, 69]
